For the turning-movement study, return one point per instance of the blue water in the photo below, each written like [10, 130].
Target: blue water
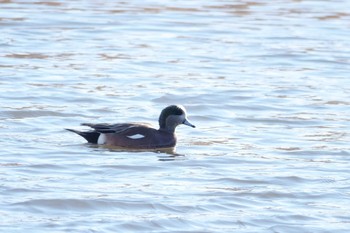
[266, 84]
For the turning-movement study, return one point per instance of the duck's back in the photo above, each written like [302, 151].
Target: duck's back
[133, 135]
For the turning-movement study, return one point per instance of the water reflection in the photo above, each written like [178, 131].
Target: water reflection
[170, 150]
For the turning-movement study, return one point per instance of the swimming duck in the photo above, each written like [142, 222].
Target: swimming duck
[138, 135]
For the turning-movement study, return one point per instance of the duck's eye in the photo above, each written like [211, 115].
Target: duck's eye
[178, 112]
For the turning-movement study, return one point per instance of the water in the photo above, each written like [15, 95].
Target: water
[266, 84]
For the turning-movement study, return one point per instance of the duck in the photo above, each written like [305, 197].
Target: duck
[139, 135]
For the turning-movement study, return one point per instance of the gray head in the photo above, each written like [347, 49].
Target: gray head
[173, 116]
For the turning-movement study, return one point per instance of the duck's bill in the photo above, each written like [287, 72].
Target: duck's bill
[186, 122]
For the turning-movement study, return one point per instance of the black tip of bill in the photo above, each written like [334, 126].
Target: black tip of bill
[186, 122]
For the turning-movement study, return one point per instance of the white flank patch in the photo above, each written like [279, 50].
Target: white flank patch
[136, 136]
[101, 139]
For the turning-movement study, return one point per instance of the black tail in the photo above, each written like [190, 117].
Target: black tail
[90, 136]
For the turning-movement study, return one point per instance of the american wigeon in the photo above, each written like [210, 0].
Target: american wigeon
[139, 136]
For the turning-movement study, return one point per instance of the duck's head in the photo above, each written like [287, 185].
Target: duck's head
[172, 116]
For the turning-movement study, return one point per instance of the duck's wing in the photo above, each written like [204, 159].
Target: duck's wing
[113, 128]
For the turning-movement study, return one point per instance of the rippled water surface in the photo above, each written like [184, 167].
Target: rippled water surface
[265, 82]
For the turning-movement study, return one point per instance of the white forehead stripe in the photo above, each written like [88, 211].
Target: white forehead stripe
[182, 107]
[136, 136]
